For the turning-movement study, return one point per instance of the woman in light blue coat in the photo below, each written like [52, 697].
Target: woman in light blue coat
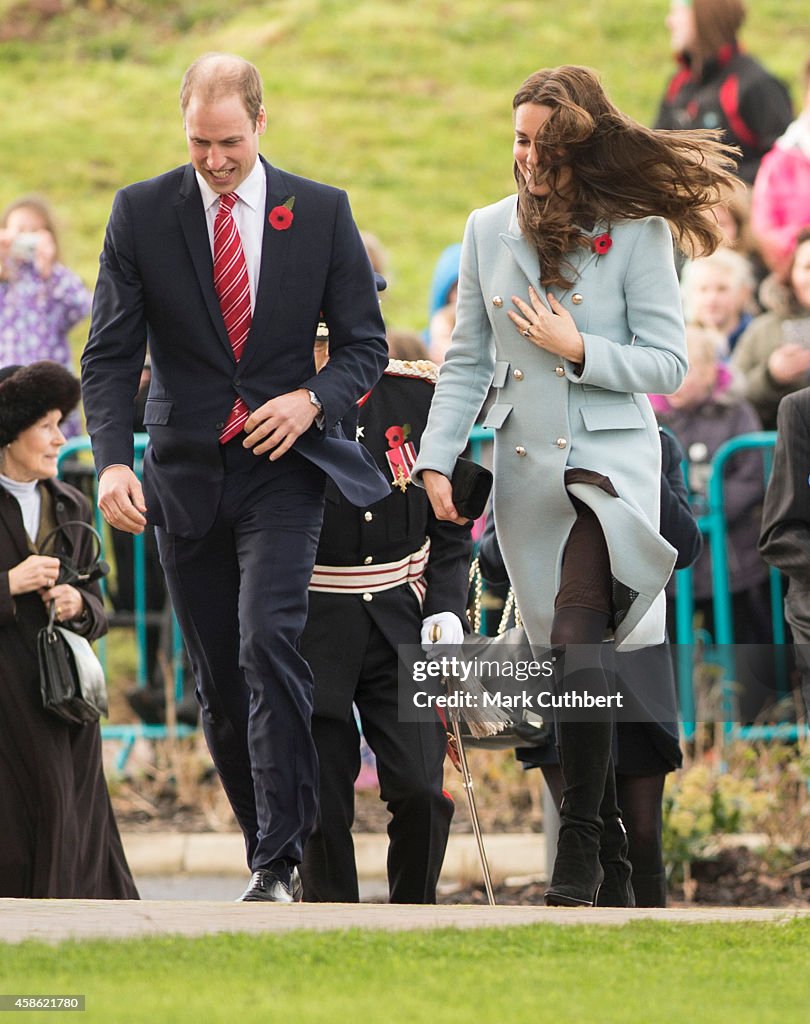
[569, 306]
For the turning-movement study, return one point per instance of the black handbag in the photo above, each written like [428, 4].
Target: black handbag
[471, 485]
[71, 677]
[500, 728]
[508, 723]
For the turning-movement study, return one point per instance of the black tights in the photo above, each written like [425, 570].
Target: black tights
[572, 625]
[641, 801]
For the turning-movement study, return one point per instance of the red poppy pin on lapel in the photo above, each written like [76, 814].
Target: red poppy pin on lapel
[602, 243]
[281, 217]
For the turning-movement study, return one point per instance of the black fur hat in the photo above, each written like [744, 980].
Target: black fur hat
[27, 393]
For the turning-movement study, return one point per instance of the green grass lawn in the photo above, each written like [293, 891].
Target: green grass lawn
[407, 105]
[645, 972]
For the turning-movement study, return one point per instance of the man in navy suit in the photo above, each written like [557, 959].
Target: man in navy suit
[237, 518]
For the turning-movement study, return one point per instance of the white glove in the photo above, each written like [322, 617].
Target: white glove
[450, 630]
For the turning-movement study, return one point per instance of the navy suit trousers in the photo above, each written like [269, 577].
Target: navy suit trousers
[240, 595]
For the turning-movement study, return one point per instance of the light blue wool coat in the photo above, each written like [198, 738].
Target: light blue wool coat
[548, 417]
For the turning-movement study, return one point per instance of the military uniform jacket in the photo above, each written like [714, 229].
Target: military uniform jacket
[390, 424]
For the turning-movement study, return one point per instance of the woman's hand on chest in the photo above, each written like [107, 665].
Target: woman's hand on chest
[549, 327]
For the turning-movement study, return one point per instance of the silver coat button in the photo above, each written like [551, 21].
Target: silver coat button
[520, 450]
[560, 371]
[368, 597]
[497, 301]
[576, 298]
[368, 560]
[368, 516]
[517, 374]
[561, 442]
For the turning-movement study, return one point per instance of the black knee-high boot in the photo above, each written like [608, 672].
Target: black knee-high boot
[616, 889]
[585, 749]
[585, 741]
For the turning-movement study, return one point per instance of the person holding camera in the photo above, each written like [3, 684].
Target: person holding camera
[40, 299]
[58, 836]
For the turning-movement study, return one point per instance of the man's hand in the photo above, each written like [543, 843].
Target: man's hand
[120, 498]
[440, 493]
[275, 426]
[441, 628]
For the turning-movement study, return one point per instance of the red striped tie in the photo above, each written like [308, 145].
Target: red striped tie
[233, 290]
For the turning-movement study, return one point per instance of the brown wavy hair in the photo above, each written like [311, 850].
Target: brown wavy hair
[620, 170]
[717, 23]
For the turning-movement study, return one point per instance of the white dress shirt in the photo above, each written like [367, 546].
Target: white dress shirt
[248, 212]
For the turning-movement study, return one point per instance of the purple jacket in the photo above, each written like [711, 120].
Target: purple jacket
[36, 314]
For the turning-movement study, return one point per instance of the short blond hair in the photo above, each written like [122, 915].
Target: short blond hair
[213, 76]
[726, 260]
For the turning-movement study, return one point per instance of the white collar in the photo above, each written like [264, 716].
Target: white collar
[797, 135]
[249, 192]
[19, 487]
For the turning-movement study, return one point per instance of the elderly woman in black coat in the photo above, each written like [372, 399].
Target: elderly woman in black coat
[58, 836]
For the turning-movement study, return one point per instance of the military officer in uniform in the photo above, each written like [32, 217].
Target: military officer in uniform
[384, 575]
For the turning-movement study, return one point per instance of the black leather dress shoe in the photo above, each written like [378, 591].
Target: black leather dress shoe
[279, 883]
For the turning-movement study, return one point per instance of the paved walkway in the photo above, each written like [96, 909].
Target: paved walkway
[57, 920]
[223, 853]
[175, 853]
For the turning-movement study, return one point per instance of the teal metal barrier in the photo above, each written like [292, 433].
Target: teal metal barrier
[712, 524]
[479, 437]
[714, 527]
[127, 733]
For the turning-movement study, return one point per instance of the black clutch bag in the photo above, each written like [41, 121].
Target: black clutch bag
[471, 485]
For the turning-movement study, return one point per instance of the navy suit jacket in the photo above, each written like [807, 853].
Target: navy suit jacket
[156, 285]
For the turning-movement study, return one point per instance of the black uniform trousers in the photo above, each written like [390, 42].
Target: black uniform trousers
[240, 595]
[410, 759]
